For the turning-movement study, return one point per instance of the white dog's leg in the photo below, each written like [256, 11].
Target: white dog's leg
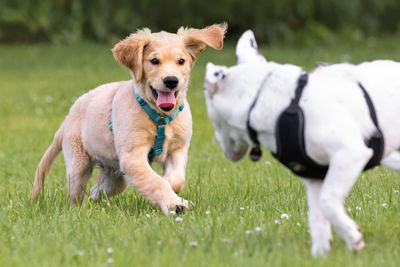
[392, 161]
[344, 168]
[320, 228]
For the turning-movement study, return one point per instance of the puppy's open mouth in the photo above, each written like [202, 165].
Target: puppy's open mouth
[165, 100]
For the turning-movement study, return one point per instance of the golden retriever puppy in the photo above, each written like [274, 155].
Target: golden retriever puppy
[110, 127]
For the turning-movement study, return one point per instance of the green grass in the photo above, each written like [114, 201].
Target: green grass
[38, 85]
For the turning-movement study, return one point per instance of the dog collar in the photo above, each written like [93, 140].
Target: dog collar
[160, 122]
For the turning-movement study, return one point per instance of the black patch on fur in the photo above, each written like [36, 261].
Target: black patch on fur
[253, 44]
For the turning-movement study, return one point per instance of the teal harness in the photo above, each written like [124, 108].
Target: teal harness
[160, 121]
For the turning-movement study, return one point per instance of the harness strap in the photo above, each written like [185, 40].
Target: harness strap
[371, 108]
[110, 124]
[301, 83]
[377, 141]
[255, 153]
[154, 116]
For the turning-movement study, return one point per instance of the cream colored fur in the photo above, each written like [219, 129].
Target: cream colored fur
[85, 139]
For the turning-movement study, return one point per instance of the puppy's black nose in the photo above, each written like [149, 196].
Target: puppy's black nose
[171, 82]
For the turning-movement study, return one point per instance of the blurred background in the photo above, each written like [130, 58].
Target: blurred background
[288, 21]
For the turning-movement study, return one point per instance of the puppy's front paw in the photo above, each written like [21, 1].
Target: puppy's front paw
[178, 205]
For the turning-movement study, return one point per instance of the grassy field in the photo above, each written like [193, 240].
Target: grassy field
[237, 220]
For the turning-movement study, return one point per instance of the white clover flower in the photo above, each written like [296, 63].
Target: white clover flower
[172, 212]
[241, 208]
[358, 208]
[258, 229]
[178, 219]
[147, 215]
[48, 99]
[13, 237]
[277, 222]
[248, 232]
[348, 209]
[80, 252]
[207, 212]
[395, 190]
[159, 242]
[284, 216]
[384, 205]
[193, 244]
[267, 163]
[110, 250]
[238, 253]
[298, 224]
[38, 111]
[110, 260]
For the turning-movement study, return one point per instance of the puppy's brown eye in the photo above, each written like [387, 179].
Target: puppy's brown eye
[155, 61]
[181, 61]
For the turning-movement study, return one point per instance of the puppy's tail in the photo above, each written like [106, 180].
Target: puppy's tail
[46, 162]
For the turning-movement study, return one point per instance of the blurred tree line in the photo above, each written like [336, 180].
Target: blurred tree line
[68, 21]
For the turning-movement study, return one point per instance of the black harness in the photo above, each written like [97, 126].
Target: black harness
[289, 134]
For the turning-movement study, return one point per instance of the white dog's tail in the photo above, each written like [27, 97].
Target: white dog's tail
[46, 162]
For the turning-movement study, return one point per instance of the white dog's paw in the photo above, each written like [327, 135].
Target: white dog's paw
[354, 239]
[177, 205]
[356, 242]
[320, 246]
[358, 246]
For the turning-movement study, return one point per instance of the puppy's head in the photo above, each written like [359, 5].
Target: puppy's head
[161, 62]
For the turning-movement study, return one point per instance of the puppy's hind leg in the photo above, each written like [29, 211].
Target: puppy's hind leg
[79, 168]
[111, 182]
[320, 228]
[344, 168]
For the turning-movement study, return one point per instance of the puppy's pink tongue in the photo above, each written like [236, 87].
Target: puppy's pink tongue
[165, 100]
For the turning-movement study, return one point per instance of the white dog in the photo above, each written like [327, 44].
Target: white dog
[342, 116]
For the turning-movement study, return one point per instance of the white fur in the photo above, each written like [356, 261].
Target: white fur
[337, 123]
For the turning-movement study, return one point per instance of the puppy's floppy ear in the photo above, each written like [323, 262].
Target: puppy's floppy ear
[196, 39]
[129, 52]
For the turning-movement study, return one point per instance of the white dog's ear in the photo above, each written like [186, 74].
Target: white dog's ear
[214, 74]
[129, 52]
[247, 49]
[196, 40]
